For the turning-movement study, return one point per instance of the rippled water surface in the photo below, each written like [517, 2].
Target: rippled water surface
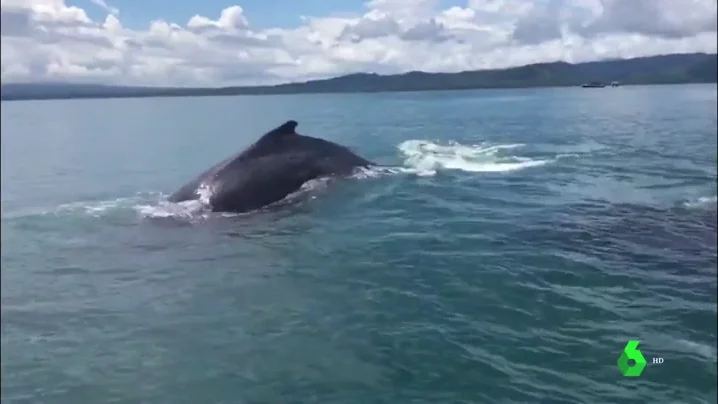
[516, 242]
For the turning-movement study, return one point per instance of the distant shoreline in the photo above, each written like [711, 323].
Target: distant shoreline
[694, 68]
[255, 94]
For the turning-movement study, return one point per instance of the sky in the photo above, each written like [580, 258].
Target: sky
[251, 42]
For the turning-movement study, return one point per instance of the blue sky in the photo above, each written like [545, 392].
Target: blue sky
[260, 13]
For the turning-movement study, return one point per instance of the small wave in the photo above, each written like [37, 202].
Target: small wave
[95, 208]
[146, 204]
[186, 209]
[425, 157]
[377, 171]
[163, 209]
[200, 208]
[701, 202]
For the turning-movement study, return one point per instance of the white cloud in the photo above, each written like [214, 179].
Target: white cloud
[50, 40]
[103, 4]
[230, 18]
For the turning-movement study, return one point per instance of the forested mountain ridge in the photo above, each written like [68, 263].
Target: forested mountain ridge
[663, 69]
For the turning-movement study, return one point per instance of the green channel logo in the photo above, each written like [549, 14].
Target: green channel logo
[631, 352]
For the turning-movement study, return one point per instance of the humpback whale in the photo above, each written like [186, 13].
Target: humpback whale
[276, 165]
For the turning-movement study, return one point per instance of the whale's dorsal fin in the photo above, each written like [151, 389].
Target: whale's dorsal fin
[270, 141]
[287, 128]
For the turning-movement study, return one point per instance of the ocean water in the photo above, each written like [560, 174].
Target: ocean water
[513, 245]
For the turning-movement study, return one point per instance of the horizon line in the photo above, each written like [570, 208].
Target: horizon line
[366, 73]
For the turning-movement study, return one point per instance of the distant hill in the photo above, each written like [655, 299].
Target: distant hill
[664, 69]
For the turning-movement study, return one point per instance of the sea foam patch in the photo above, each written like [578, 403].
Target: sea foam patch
[425, 157]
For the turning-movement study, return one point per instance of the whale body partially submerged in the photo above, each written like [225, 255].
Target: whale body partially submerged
[276, 165]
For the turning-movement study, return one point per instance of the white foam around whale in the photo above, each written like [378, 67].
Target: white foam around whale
[426, 157]
[419, 157]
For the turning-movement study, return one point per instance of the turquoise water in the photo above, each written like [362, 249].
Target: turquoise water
[517, 241]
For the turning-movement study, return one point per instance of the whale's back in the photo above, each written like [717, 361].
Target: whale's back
[277, 164]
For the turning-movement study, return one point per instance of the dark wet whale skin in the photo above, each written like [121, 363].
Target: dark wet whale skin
[273, 167]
